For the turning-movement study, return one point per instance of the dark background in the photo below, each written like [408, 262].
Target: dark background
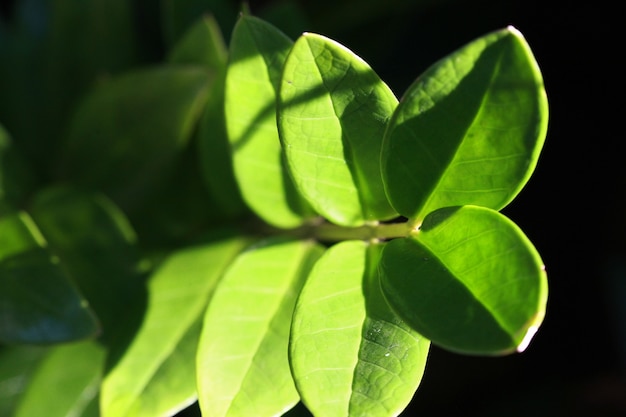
[572, 208]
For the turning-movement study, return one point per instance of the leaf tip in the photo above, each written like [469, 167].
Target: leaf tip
[527, 338]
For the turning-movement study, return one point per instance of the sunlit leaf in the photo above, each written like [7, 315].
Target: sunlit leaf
[469, 280]
[332, 114]
[350, 354]
[469, 130]
[38, 304]
[243, 367]
[155, 376]
[257, 53]
[65, 382]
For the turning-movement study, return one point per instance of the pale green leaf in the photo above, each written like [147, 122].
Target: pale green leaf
[155, 376]
[243, 367]
[469, 280]
[332, 114]
[350, 354]
[469, 130]
[257, 53]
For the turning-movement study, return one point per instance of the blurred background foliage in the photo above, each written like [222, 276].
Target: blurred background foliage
[54, 51]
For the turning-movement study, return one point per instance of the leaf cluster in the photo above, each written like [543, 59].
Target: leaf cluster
[258, 223]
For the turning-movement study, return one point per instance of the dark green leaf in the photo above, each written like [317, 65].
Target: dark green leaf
[129, 132]
[469, 130]
[202, 44]
[37, 302]
[469, 280]
[16, 178]
[332, 113]
[96, 246]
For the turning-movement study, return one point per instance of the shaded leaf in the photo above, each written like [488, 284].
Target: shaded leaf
[243, 368]
[469, 280]
[65, 383]
[177, 17]
[350, 354]
[154, 377]
[201, 44]
[128, 133]
[38, 304]
[257, 53]
[469, 130]
[18, 365]
[96, 246]
[16, 178]
[332, 114]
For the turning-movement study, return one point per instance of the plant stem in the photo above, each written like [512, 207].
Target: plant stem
[323, 231]
[374, 231]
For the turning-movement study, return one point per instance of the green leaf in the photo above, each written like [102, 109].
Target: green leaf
[37, 302]
[257, 53]
[243, 368]
[128, 133]
[87, 40]
[469, 280]
[332, 114]
[18, 365]
[154, 377]
[202, 44]
[350, 354]
[96, 246]
[469, 130]
[177, 17]
[65, 382]
[16, 178]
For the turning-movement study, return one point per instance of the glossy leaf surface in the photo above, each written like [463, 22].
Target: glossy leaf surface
[469, 280]
[350, 354]
[333, 110]
[65, 383]
[128, 133]
[257, 53]
[469, 130]
[243, 368]
[155, 375]
[38, 304]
